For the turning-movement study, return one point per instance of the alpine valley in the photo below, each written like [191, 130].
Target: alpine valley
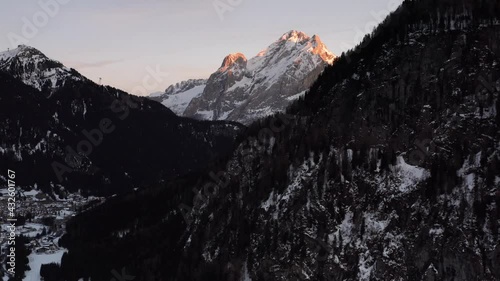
[69, 134]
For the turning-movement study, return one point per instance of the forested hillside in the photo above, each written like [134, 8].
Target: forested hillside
[388, 169]
[99, 140]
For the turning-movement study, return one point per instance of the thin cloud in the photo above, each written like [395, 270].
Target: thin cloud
[84, 65]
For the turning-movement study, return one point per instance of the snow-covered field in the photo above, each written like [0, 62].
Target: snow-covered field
[36, 261]
[43, 238]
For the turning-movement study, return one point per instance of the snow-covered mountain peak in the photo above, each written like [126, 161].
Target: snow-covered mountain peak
[244, 90]
[293, 45]
[35, 69]
[184, 86]
[294, 36]
[9, 54]
[319, 48]
[178, 96]
[231, 59]
[22, 51]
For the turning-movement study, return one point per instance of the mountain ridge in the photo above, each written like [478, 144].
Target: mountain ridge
[68, 135]
[387, 169]
[35, 69]
[244, 90]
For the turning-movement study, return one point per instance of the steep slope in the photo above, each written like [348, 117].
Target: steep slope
[388, 169]
[82, 136]
[35, 69]
[177, 97]
[244, 90]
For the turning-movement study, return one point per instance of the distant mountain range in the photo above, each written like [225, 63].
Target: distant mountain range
[66, 133]
[245, 90]
[177, 97]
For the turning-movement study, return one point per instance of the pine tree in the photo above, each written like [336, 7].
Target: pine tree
[22, 261]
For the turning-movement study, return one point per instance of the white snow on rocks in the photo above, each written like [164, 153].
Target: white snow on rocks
[245, 90]
[409, 176]
[179, 101]
[33, 68]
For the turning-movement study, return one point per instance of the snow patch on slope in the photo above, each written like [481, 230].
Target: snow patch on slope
[37, 260]
[178, 102]
[409, 175]
[245, 90]
[33, 68]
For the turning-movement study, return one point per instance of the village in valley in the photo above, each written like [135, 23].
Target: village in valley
[41, 220]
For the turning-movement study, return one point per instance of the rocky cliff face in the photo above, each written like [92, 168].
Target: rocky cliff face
[244, 90]
[213, 104]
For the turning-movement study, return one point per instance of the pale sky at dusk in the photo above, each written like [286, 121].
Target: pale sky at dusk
[118, 39]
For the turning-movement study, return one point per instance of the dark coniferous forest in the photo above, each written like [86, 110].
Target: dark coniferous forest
[388, 168]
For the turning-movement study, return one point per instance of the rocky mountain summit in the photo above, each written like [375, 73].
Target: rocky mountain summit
[244, 90]
[35, 69]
